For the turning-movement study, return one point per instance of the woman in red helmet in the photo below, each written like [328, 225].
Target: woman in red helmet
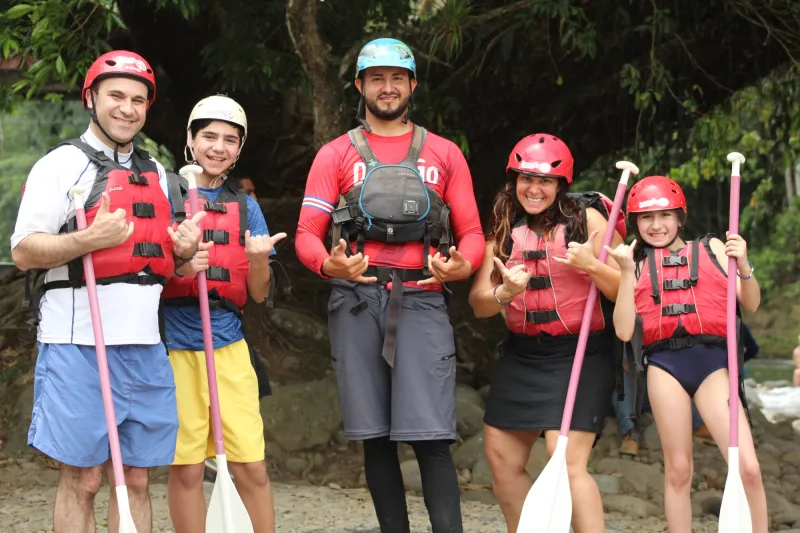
[540, 261]
[678, 289]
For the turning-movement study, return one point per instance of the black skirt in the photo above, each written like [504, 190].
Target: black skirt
[530, 381]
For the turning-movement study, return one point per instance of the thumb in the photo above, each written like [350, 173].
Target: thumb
[500, 266]
[633, 244]
[247, 235]
[341, 247]
[105, 202]
[593, 236]
[278, 237]
[130, 231]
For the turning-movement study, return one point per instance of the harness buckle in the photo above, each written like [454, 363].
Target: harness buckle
[676, 284]
[677, 309]
[542, 317]
[674, 260]
[529, 255]
[677, 343]
[539, 282]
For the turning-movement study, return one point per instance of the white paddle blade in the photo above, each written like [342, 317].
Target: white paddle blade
[734, 514]
[226, 511]
[126, 524]
[548, 506]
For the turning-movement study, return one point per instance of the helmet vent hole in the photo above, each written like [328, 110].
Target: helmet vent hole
[554, 164]
[111, 62]
[555, 138]
[518, 157]
[541, 140]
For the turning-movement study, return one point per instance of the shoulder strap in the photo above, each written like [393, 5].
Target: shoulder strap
[95, 156]
[359, 140]
[693, 266]
[177, 197]
[227, 194]
[651, 262]
[417, 140]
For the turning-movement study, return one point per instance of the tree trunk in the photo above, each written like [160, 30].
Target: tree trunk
[330, 119]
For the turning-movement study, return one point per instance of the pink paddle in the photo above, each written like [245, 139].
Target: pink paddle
[734, 514]
[226, 511]
[548, 506]
[126, 524]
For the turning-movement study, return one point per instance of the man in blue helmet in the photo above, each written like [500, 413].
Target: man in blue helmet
[393, 248]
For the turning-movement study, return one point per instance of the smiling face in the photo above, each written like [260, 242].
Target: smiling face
[659, 229]
[121, 108]
[216, 148]
[387, 91]
[536, 194]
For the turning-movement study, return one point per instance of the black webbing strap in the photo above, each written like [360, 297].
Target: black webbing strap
[541, 317]
[694, 265]
[536, 283]
[651, 262]
[147, 249]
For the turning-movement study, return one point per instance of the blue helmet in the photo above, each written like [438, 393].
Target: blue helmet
[386, 52]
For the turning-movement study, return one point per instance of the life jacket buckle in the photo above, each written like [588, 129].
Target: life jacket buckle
[137, 179]
[342, 215]
[676, 284]
[674, 260]
[678, 343]
[677, 309]
[539, 282]
[529, 255]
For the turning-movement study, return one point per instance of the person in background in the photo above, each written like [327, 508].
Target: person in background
[246, 185]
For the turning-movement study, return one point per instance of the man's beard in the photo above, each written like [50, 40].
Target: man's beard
[387, 115]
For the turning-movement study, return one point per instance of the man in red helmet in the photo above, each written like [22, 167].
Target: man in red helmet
[401, 188]
[134, 251]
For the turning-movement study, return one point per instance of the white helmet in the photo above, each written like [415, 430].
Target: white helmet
[217, 107]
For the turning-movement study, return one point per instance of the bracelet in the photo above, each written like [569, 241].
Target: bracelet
[752, 269]
[494, 292]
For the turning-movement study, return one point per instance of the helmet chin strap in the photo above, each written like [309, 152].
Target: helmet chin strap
[117, 144]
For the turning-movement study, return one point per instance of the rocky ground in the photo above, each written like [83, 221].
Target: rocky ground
[319, 483]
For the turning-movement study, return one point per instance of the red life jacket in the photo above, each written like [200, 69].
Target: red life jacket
[225, 224]
[137, 191]
[556, 294]
[681, 297]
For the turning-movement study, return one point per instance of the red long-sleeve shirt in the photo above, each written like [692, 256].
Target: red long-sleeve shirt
[338, 167]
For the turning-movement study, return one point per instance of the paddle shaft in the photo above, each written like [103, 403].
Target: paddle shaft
[208, 343]
[572, 391]
[733, 345]
[102, 359]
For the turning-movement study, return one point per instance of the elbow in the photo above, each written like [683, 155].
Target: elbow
[19, 259]
[624, 336]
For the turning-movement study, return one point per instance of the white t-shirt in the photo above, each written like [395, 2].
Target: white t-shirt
[129, 312]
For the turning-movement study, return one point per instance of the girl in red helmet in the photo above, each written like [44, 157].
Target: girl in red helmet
[677, 292]
[540, 260]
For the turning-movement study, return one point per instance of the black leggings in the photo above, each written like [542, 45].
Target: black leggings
[439, 485]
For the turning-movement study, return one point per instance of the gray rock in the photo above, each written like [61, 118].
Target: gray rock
[482, 473]
[792, 458]
[705, 502]
[412, 480]
[18, 429]
[303, 416]
[484, 392]
[630, 506]
[465, 393]
[469, 418]
[485, 496]
[296, 465]
[468, 453]
[796, 427]
[639, 477]
[649, 438]
[607, 484]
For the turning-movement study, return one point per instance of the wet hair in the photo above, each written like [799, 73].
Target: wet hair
[199, 124]
[507, 212]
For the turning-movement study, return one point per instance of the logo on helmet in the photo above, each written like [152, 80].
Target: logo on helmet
[535, 165]
[131, 63]
[654, 202]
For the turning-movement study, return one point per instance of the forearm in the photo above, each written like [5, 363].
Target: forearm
[44, 251]
[606, 279]
[625, 308]
[749, 293]
[484, 304]
[258, 281]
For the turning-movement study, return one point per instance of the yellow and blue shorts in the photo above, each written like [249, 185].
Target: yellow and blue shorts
[242, 427]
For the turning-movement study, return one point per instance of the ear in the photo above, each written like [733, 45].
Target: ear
[359, 84]
[413, 82]
[88, 99]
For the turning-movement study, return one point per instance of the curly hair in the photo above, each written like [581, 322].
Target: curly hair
[507, 212]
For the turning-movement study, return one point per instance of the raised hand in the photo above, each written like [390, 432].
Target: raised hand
[623, 255]
[109, 229]
[515, 279]
[580, 255]
[736, 247]
[443, 269]
[352, 268]
[258, 248]
[186, 238]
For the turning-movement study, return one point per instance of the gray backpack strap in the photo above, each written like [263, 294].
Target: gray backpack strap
[359, 140]
[336, 229]
[417, 141]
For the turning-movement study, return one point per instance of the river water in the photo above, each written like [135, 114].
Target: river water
[776, 397]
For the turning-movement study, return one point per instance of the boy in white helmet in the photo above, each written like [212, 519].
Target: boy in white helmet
[235, 256]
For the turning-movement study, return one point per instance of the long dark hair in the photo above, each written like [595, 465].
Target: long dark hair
[507, 212]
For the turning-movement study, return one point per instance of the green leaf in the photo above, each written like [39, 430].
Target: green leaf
[60, 68]
[19, 11]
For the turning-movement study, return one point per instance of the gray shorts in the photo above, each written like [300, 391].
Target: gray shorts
[415, 400]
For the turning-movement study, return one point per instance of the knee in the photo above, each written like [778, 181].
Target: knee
[187, 476]
[750, 471]
[251, 474]
[503, 463]
[83, 481]
[678, 472]
[137, 480]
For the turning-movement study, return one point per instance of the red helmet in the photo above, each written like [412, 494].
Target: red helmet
[121, 63]
[542, 154]
[655, 193]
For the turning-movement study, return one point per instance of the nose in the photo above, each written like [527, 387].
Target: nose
[126, 107]
[219, 145]
[387, 86]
